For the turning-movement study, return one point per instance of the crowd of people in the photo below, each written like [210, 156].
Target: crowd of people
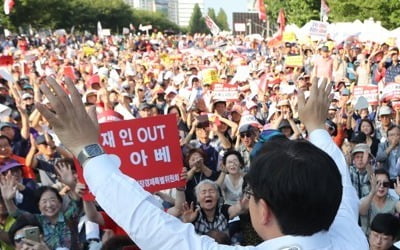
[139, 76]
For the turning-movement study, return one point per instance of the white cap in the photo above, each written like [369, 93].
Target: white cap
[385, 110]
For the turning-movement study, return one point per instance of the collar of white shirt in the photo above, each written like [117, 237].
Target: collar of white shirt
[319, 240]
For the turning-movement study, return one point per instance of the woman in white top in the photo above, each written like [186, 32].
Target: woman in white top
[231, 178]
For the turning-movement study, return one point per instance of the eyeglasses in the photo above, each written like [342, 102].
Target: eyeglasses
[247, 193]
[385, 184]
[18, 238]
[247, 134]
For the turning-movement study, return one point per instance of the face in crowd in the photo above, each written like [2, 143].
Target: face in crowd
[207, 196]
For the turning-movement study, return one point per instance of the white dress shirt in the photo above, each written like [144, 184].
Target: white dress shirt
[135, 211]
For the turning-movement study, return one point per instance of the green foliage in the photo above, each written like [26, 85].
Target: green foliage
[301, 11]
[211, 14]
[197, 23]
[83, 14]
[222, 20]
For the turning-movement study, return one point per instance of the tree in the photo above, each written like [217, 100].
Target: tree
[222, 20]
[300, 12]
[196, 23]
[83, 14]
[211, 13]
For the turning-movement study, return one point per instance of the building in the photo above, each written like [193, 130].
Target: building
[149, 5]
[245, 23]
[180, 11]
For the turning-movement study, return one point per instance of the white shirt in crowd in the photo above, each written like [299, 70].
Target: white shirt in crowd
[150, 228]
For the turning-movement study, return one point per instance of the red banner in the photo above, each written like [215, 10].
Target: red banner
[148, 148]
[370, 92]
[391, 91]
[6, 60]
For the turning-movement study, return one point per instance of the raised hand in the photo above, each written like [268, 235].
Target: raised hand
[64, 173]
[33, 245]
[80, 189]
[8, 186]
[374, 185]
[71, 122]
[313, 112]
[189, 212]
[397, 186]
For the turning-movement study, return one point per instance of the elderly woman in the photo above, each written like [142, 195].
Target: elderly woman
[59, 223]
[210, 214]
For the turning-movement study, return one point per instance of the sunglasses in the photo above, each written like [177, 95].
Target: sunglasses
[385, 184]
[247, 134]
[18, 238]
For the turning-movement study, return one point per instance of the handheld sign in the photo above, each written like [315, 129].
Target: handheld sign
[148, 148]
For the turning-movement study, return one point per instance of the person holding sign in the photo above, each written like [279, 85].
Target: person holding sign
[305, 177]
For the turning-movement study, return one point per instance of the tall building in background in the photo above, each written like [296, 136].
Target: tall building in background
[162, 6]
[180, 11]
[149, 5]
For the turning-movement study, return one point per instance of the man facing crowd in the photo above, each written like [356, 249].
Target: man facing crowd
[299, 198]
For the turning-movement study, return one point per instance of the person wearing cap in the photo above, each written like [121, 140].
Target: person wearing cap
[27, 101]
[7, 154]
[219, 107]
[379, 200]
[385, 118]
[340, 64]
[385, 229]
[212, 147]
[323, 65]
[389, 152]
[43, 156]
[393, 66]
[18, 138]
[24, 198]
[245, 143]
[361, 169]
[145, 110]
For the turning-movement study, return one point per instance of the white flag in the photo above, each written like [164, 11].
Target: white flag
[99, 30]
[212, 26]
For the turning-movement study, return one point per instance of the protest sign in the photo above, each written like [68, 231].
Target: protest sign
[6, 75]
[106, 32]
[109, 116]
[294, 61]
[318, 29]
[88, 51]
[391, 91]
[210, 76]
[362, 103]
[6, 60]
[289, 36]
[370, 92]
[148, 148]
[226, 92]
[125, 30]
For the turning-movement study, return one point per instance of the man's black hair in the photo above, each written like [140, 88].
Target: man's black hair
[5, 137]
[25, 219]
[300, 183]
[386, 224]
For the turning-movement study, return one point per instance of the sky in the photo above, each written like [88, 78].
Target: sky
[229, 7]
